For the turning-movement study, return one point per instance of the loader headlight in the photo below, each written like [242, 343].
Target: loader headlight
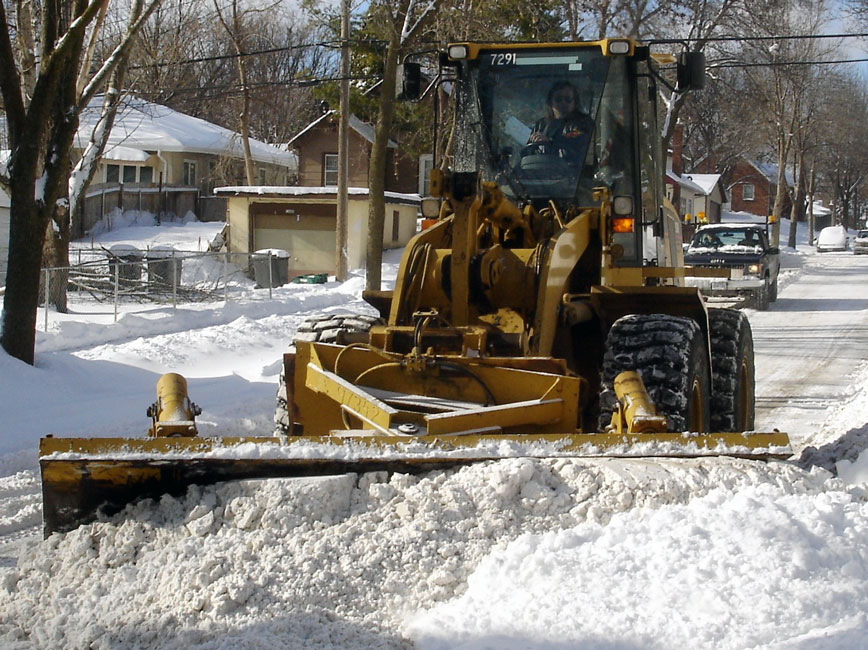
[619, 47]
[622, 205]
[754, 269]
[458, 52]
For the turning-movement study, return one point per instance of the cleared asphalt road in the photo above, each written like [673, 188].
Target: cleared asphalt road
[809, 344]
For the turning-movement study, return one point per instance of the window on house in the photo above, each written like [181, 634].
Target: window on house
[747, 191]
[146, 175]
[112, 173]
[129, 173]
[426, 164]
[262, 175]
[396, 225]
[189, 173]
[330, 169]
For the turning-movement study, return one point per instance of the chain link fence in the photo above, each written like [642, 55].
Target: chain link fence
[123, 275]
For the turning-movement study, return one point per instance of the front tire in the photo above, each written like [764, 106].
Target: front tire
[761, 298]
[322, 329]
[733, 376]
[670, 354]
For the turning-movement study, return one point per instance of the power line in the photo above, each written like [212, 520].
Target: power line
[782, 63]
[723, 39]
[271, 50]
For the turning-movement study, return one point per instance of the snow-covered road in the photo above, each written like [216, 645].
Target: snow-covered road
[810, 344]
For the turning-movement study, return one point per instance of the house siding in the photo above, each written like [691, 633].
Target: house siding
[763, 202]
[312, 146]
[305, 227]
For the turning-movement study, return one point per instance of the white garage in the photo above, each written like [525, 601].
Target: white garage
[302, 221]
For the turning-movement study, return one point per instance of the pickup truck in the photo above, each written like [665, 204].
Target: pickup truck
[743, 249]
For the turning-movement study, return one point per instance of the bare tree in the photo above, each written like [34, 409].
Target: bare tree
[784, 89]
[235, 24]
[403, 20]
[842, 151]
[41, 54]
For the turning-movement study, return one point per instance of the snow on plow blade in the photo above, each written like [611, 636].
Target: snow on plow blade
[82, 477]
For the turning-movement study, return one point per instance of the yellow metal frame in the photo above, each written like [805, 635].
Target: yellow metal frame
[341, 388]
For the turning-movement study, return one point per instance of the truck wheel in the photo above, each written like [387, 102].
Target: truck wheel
[670, 354]
[322, 329]
[733, 378]
[773, 291]
[761, 298]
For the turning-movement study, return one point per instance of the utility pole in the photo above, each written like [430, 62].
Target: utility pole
[811, 207]
[343, 203]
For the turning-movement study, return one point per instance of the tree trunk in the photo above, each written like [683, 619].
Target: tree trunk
[377, 167]
[22, 277]
[781, 190]
[797, 213]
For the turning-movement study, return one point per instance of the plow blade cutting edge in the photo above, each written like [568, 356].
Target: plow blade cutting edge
[82, 477]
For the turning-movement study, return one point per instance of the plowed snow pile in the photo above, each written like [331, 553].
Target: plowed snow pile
[365, 562]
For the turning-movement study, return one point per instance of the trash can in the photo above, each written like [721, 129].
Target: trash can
[271, 264]
[128, 260]
[162, 264]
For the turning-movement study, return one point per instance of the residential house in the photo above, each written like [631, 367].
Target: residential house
[822, 215]
[752, 187]
[317, 149]
[302, 221]
[164, 161]
[708, 203]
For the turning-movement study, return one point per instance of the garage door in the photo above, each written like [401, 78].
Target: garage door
[310, 240]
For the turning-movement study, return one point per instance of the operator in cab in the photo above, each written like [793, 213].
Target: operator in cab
[565, 131]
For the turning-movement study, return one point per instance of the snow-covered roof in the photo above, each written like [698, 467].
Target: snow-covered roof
[770, 171]
[306, 190]
[127, 154]
[821, 210]
[362, 128]
[152, 127]
[684, 182]
[705, 181]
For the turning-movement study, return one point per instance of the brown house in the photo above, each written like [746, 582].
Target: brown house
[317, 147]
[752, 187]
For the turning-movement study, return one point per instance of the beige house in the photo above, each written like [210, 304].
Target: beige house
[163, 161]
[709, 201]
[302, 221]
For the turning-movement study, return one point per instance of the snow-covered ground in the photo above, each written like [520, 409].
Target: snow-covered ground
[521, 553]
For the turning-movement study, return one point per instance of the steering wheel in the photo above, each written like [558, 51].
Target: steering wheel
[539, 149]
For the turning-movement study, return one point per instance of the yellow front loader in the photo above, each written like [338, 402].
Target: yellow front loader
[543, 314]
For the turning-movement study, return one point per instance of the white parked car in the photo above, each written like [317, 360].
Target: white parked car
[833, 238]
[860, 244]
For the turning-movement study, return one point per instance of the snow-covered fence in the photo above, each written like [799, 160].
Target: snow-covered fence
[167, 201]
[131, 280]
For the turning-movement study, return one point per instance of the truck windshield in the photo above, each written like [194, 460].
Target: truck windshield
[734, 239]
[556, 122]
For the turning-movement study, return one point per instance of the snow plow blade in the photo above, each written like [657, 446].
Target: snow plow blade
[85, 477]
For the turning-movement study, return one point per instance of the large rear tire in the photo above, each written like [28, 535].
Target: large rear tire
[670, 354]
[733, 377]
[324, 328]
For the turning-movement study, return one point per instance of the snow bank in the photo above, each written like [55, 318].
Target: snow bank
[346, 562]
[723, 571]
